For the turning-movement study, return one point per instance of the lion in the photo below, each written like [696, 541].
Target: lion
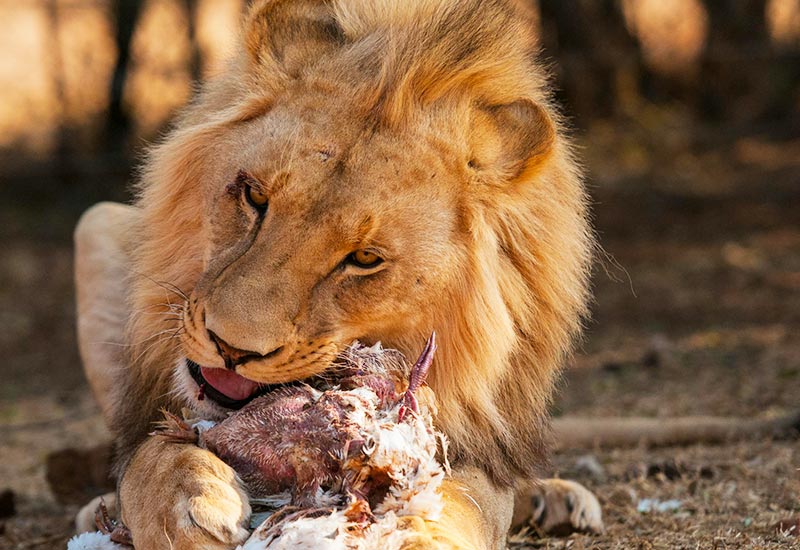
[361, 170]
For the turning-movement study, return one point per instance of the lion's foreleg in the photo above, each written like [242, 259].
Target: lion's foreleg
[476, 515]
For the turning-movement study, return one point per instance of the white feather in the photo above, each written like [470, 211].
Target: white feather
[93, 541]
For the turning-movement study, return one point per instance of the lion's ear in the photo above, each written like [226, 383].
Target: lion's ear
[291, 33]
[511, 141]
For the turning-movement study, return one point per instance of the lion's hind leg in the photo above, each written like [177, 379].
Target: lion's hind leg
[101, 272]
[102, 269]
[557, 507]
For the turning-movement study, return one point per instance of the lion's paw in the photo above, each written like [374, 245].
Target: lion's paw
[181, 497]
[559, 507]
[217, 512]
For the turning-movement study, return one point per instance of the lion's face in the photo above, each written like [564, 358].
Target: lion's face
[322, 230]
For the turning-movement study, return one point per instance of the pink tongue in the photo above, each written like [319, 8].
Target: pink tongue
[229, 383]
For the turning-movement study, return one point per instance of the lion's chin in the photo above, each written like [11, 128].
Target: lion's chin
[187, 390]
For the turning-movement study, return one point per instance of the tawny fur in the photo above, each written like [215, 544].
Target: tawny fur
[430, 119]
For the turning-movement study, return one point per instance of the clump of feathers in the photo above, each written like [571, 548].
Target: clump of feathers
[94, 541]
[333, 463]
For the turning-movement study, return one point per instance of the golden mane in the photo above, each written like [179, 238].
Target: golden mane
[507, 324]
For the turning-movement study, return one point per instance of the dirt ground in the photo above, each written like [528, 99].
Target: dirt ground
[697, 312]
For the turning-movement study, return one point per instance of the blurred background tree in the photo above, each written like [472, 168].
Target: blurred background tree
[93, 75]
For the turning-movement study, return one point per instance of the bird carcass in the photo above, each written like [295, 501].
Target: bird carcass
[337, 461]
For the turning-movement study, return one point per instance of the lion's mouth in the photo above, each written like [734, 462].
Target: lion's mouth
[224, 387]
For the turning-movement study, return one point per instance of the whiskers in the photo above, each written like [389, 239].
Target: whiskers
[165, 324]
[168, 308]
[168, 337]
[173, 317]
[170, 291]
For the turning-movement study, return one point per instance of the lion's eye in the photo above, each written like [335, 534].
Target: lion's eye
[364, 259]
[256, 198]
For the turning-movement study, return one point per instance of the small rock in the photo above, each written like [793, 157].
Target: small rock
[651, 359]
[612, 367]
[669, 469]
[636, 471]
[590, 466]
[706, 472]
[648, 505]
[7, 503]
[622, 496]
[659, 349]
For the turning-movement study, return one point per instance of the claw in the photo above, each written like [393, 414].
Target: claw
[419, 372]
[102, 520]
[116, 531]
[121, 535]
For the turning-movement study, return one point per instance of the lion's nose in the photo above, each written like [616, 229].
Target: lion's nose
[235, 356]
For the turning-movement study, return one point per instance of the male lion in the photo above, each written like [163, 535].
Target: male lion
[368, 170]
